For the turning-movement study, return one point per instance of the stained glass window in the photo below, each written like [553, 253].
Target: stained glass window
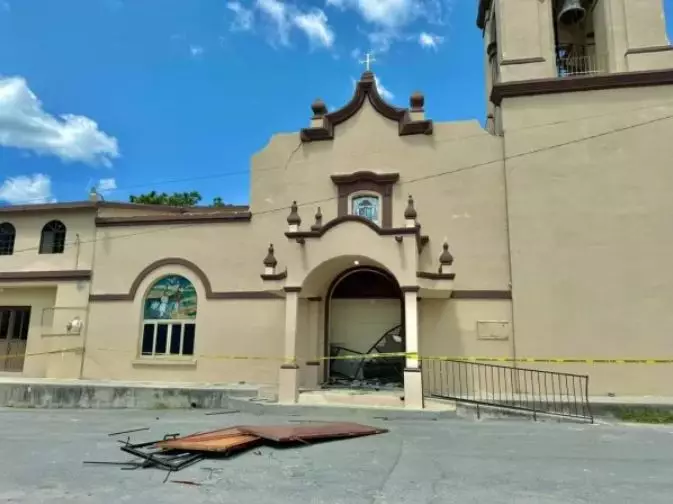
[170, 318]
[367, 207]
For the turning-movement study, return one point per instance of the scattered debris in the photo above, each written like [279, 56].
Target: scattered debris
[173, 453]
[186, 482]
[129, 431]
[224, 440]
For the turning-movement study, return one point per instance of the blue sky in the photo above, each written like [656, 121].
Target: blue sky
[176, 95]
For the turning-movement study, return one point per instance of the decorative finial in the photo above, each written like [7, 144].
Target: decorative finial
[410, 212]
[319, 108]
[270, 259]
[417, 100]
[94, 195]
[318, 221]
[445, 259]
[293, 219]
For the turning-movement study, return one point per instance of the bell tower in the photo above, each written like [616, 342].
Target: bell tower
[553, 39]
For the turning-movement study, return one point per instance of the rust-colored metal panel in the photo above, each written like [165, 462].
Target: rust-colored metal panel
[223, 440]
[291, 433]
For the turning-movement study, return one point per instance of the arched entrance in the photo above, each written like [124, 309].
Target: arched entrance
[364, 310]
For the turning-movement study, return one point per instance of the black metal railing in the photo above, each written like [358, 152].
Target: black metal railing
[509, 387]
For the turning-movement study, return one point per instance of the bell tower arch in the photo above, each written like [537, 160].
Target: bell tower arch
[528, 40]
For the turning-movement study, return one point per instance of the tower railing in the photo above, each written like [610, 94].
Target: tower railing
[582, 62]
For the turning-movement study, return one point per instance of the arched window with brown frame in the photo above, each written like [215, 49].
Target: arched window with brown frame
[7, 238]
[52, 240]
[169, 318]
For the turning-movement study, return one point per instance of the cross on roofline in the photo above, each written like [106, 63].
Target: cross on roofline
[369, 59]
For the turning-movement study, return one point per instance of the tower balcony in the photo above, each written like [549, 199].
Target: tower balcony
[583, 62]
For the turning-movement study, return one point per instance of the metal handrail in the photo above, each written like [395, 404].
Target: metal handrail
[523, 389]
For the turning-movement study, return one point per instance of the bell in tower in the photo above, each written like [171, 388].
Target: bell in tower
[571, 12]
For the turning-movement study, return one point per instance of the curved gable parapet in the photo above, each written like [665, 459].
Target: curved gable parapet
[366, 89]
[318, 233]
[421, 240]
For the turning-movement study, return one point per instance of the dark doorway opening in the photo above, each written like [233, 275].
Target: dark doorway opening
[364, 318]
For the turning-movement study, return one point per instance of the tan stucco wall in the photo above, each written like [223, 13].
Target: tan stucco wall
[630, 36]
[466, 207]
[79, 224]
[223, 328]
[448, 328]
[53, 305]
[589, 195]
[39, 299]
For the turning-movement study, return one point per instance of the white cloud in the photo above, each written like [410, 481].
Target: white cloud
[429, 41]
[25, 125]
[284, 17]
[381, 41]
[384, 92]
[106, 185]
[277, 13]
[388, 18]
[243, 18]
[315, 27]
[196, 50]
[27, 189]
[387, 13]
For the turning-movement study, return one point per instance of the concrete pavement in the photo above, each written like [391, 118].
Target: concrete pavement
[444, 461]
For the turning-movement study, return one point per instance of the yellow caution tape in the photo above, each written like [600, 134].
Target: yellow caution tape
[416, 356]
[408, 355]
[35, 354]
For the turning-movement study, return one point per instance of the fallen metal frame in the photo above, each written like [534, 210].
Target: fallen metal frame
[162, 459]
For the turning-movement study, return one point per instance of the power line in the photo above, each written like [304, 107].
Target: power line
[158, 183]
[409, 181]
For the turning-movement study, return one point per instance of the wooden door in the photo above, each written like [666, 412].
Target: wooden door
[14, 324]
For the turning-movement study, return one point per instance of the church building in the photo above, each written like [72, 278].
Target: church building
[545, 234]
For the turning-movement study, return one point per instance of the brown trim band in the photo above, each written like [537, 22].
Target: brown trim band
[314, 298]
[484, 6]
[312, 363]
[435, 276]
[153, 220]
[292, 289]
[95, 205]
[481, 294]
[421, 240]
[413, 370]
[365, 89]
[410, 288]
[651, 49]
[203, 278]
[522, 61]
[369, 176]
[289, 366]
[580, 83]
[45, 276]
[275, 276]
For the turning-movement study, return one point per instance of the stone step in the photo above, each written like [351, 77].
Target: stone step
[91, 394]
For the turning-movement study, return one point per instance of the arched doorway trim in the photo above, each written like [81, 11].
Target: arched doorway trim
[338, 282]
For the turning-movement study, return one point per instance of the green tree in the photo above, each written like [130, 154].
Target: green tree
[178, 199]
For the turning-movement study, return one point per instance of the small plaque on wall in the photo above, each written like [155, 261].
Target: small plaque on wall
[493, 329]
